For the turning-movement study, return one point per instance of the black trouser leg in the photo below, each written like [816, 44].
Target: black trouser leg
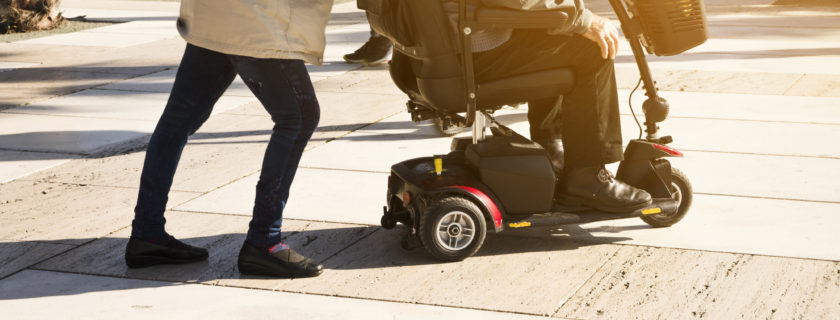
[590, 119]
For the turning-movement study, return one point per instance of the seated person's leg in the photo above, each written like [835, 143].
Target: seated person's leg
[590, 119]
[546, 130]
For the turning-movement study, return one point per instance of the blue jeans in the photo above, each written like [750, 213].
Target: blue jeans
[284, 89]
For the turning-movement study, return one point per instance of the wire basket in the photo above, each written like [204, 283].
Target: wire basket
[670, 27]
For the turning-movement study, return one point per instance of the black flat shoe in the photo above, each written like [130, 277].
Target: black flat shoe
[140, 253]
[596, 187]
[282, 264]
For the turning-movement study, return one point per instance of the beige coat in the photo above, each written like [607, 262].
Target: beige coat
[279, 29]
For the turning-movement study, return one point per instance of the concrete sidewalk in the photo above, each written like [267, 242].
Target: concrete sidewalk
[756, 110]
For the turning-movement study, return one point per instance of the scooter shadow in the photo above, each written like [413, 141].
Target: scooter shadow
[383, 249]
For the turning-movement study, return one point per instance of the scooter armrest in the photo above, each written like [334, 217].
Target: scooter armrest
[518, 19]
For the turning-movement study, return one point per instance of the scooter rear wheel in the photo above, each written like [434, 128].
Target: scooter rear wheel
[682, 192]
[452, 228]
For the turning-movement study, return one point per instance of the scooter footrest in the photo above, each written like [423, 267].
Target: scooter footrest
[544, 220]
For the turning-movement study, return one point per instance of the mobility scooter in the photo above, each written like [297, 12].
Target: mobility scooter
[501, 182]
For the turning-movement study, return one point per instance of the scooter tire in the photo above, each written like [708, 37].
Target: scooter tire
[459, 216]
[681, 189]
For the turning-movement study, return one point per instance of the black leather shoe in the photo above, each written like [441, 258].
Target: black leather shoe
[376, 50]
[554, 149]
[597, 188]
[283, 264]
[140, 254]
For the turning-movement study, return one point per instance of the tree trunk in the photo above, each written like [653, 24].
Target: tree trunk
[29, 15]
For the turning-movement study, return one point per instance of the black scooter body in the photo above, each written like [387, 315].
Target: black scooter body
[512, 182]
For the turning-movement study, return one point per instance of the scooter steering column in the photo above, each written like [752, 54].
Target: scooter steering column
[655, 107]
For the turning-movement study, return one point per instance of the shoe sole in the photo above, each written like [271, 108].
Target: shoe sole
[148, 261]
[573, 200]
[365, 62]
[255, 269]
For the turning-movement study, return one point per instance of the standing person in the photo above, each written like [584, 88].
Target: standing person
[375, 51]
[266, 43]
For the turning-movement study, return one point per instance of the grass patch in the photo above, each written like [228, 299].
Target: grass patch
[66, 27]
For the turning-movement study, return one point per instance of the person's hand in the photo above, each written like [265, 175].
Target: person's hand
[604, 34]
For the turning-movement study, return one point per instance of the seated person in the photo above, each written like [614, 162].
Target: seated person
[589, 125]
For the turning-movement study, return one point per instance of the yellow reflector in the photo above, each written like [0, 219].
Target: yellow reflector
[522, 224]
[438, 166]
[652, 211]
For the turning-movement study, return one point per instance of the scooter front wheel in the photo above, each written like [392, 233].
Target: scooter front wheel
[681, 191]
[452, 228]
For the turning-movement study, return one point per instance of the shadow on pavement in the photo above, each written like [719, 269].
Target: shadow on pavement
[354, 249]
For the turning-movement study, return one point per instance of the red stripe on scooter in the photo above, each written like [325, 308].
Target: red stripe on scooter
[494, 210]
[672, 151]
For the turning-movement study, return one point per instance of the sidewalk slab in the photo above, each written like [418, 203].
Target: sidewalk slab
[69, 296]
[88, 121]
[114, 104]
[738, 136]
[16, 164]
[342, 111]
[316, 194]
[508, 274]
[789, 18]
[24, 86]
[779, 33]
[96, 39]
[751, 47]
[16, 256]
[133, 5]
[67, 214]
[117, 15]
[757, 226]
[11, 65]
[372, 79]
[162, 82]
[221, 146]
[161, 28]
[71, 135]
[816, 85]
[762, 176]
[652, 283]
[720, 81]
[330, 68]
[755, 63]
[222, 235]
[813, 109]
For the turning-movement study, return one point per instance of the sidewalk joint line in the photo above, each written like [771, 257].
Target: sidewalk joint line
[767, 198]
[74, 116]
[792, 85]
[248, 215]
[762, 154]
[412, 302]
[748, 120]
[745, 254]
[342, 169]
